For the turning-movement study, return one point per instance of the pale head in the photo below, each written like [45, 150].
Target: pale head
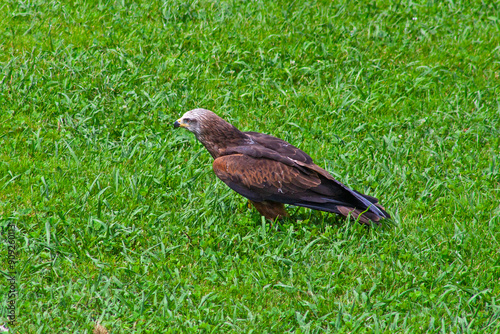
[212, 131]
[193, 120]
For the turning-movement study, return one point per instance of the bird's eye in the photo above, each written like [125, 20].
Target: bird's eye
[188, 120]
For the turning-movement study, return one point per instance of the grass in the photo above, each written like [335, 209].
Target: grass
[121, 220]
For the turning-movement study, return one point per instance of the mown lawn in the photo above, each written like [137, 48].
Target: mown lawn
[121, 220]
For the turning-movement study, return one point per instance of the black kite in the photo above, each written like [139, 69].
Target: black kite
[271, 172]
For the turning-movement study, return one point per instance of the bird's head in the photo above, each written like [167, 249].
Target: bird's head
[196, 121]
[211, 130]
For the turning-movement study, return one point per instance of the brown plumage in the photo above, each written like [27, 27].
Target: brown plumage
[271, 172]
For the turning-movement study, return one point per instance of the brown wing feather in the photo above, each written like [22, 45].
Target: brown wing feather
[280, 146]
[261, 179]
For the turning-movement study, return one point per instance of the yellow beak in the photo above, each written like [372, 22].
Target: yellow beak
[179, 123]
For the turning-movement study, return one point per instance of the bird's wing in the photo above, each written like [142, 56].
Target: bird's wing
[280, 146]
[369, 202]
[262, 179]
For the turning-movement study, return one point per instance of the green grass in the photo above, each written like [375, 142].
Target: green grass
[121, 219]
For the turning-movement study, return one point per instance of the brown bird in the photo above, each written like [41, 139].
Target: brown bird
[271, 172]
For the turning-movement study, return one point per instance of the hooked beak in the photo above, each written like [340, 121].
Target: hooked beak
[178, 123]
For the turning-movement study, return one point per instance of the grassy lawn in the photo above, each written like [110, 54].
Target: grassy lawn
[121, 220]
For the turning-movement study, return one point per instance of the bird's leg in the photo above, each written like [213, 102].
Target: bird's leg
[271, 210]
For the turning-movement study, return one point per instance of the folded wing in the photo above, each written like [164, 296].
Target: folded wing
[296, 182]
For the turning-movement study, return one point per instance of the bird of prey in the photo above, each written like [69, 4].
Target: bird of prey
[271, 172]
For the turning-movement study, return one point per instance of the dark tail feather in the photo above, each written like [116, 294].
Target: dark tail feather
[372, 199]
[371, 204]
[364, 217]
[367, 209]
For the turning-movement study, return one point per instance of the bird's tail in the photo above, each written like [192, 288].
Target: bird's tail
[364, 216]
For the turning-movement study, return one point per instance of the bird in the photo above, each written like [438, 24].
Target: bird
[271, 172]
